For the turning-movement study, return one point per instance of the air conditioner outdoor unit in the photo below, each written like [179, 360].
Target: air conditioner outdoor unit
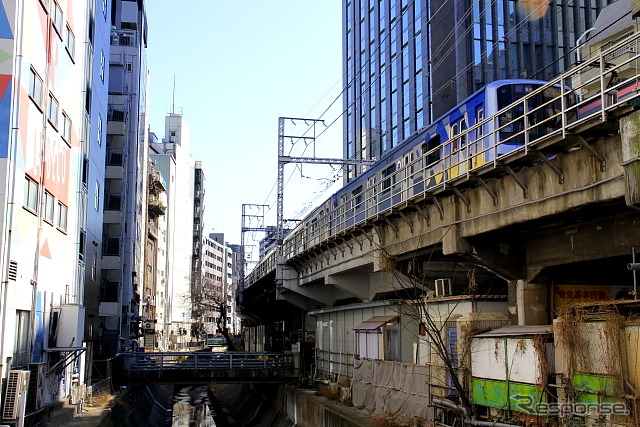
[443, 287]
[16, 394]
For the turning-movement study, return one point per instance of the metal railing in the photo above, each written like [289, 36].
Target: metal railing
[161, 361]
[590, 91]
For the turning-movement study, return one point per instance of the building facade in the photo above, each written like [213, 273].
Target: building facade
[218, 273]
[174, 162]
[47, 208]
[408, 62]
[125, 207]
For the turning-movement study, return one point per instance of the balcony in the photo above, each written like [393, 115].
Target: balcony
[156, 208]
[109, 291]
[116, 128]
[124, 38]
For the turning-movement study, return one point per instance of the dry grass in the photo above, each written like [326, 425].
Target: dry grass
[329, 393]
[101, 399]
[380, 421]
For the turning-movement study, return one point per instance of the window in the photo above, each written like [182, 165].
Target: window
[99, 129]
[70, 43]
[66, 128]
[102, 65]
[52, 112]
[94, 265]
[96, 198]
[81, 243]
[21, 340]
[62, 217]
[48, 207]
[57, 17]
[31, 194]
[35, 88]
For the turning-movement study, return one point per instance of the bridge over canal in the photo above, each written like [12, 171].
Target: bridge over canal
[206, 367]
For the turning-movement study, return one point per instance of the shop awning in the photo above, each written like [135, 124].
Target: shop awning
[376, 322]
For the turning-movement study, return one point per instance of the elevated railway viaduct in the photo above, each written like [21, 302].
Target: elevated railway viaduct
[564, 214]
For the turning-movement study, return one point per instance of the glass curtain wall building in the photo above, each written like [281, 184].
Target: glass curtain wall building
[406, 62]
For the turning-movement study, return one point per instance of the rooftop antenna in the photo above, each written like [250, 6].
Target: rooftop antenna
[173, 101]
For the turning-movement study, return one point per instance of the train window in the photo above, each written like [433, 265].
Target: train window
[463, 137]
[371, 184]
[431, 150]
[454, 140]
[386, 177]
[480, 118]
[356, 196]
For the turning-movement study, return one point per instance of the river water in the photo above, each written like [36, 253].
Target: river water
[192, 407]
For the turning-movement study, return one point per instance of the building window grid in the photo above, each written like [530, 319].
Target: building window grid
[57, 17]
[35, 87]
[52, 110]
[31, 194]
[49, 207]
[70, 42]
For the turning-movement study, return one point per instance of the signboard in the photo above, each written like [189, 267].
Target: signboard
[572, 294]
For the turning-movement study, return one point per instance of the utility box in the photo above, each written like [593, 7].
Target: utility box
[70, 326]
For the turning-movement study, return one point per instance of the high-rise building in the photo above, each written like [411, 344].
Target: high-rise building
[172, 159]
[125, 207]
[50, 207]
[198, 216]
[406, 63]
[94, 155]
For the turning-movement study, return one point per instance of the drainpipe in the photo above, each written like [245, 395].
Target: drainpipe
[12, 149]
[469, 420]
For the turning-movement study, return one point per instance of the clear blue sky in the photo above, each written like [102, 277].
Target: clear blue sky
[238, 66]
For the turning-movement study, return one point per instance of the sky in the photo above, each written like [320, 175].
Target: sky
[238, 67]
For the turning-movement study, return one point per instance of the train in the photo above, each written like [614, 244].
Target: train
[499, 118]
[477, 131]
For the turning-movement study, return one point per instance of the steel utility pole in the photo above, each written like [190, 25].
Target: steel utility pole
[283, 160]
[247, 219]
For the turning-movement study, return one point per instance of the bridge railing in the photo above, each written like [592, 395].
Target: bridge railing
[159, 361]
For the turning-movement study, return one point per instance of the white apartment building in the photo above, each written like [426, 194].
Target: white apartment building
[218, 269]
[177, 167]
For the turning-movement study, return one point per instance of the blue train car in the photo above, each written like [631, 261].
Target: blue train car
[495, 120]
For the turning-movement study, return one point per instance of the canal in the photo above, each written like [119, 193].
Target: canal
[192, 407]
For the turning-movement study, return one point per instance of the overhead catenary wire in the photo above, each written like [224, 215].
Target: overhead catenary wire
[421, 34]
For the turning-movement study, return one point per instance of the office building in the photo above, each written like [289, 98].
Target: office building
[406, 63]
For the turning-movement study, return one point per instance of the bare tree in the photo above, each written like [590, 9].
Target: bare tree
[209, 297]
[412, 287]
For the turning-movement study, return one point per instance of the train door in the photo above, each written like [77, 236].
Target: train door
[333, 213]
[477, 145]
[357, 198]
[457, 152]
[371, 201]
[342, 213]
[387, 179]
[397, 184]
[431, 154]
[416, 175]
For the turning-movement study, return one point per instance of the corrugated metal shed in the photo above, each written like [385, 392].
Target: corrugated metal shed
[376, 322]
[516, 331]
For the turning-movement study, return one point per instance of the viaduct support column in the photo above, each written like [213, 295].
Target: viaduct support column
[531, 301]
[630, 143]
